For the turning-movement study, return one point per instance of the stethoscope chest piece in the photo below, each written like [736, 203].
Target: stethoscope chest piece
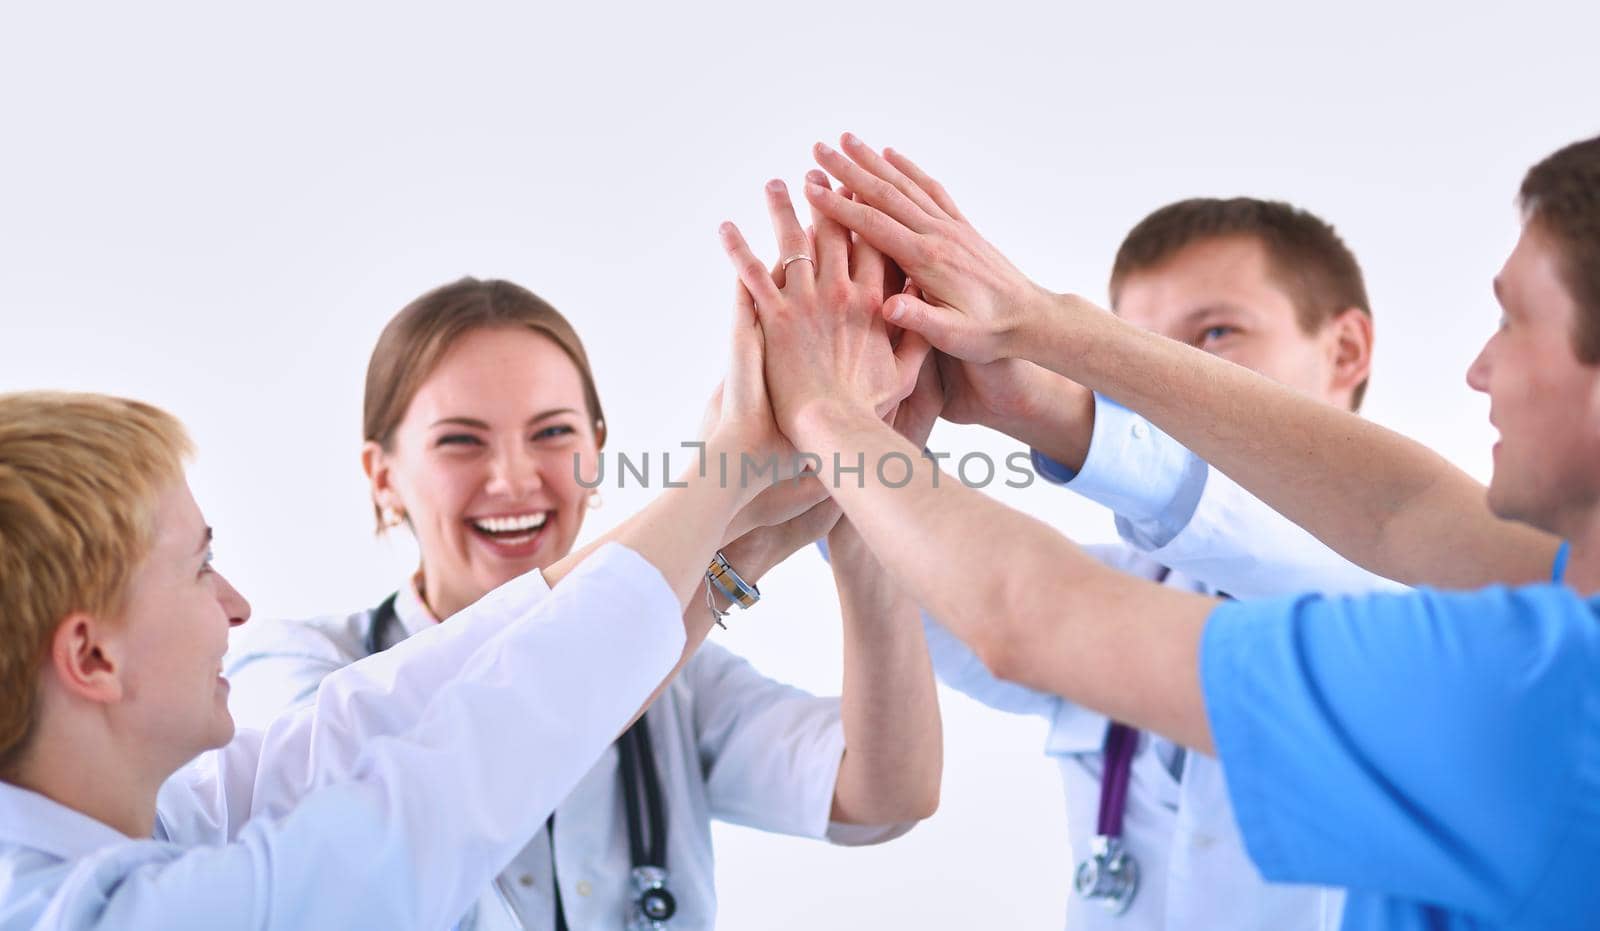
[653, 905]
[1110, 876]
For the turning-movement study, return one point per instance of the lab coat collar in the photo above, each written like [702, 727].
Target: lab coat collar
[30, 820]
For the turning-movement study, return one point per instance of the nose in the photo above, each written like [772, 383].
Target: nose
[1478, 371]
[514, 474]
[233, 603]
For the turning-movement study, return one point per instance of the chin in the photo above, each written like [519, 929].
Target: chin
[223, 730]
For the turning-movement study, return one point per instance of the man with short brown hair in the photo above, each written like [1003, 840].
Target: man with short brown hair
[1268, 286]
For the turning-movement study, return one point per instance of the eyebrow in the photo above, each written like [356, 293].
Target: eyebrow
[480, 425]
[1213, 310]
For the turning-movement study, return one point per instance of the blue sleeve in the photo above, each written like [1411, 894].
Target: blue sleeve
[1436, 747]
[1145, 477]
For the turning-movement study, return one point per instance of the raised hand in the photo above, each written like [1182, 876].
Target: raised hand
[825, 336]
[976, 301]
[738, 418]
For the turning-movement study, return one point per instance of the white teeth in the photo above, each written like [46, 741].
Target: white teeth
[518, 524]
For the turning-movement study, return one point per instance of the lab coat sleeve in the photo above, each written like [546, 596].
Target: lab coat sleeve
[275, 666]
[1193, 519]
[318, 740]
[770, 752]
[401, 824]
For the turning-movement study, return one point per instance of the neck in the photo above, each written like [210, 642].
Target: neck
[1583, 567]
[71, 770]
[440, 600]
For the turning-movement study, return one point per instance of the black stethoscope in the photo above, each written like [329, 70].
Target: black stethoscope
[653, 904]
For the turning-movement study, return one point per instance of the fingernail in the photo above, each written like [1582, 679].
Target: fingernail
[822, 149]
[775, 186]
[897, 309]
[726, 228]
[813, 189]
[816, 177]
[849, 139]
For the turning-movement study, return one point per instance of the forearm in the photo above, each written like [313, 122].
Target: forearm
[894, 750]
[1384, 501]
[1057, 420]
[677, 532]
[1033, 606]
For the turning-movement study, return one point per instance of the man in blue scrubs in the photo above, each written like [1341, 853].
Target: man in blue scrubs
[1438, 753]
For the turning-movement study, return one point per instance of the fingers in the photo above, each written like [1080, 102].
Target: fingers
[868, 158]
[932, 188]
[867, 265]
[832, 240]
[744, 307]
[874, 190]
[752, 274]
[910, 354]
[745, 383]
[884, 233]
[791, 235]
[941, 326]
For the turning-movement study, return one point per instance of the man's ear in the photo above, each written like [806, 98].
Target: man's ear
[83, 661]
[1350, 340]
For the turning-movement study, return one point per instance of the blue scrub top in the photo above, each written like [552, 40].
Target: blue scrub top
[1437, 753]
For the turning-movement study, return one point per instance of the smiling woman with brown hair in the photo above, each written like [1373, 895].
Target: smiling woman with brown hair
[482, 435]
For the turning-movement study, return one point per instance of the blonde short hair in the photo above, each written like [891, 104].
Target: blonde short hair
[80, 475]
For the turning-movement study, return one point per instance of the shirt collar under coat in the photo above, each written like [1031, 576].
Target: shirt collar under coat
[31, 820]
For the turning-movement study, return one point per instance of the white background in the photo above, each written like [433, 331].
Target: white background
[216, 209]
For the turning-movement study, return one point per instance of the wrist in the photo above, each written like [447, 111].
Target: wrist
[816, 424]
[1046, 316]
[752, 555]
[720, 465]
[1060, 424]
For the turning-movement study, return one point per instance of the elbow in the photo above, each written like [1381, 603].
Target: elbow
[1002, 637]
[913, 803]
[926, 805]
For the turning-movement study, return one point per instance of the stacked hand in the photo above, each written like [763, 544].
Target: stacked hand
[975, 302]
[821, 316]
[834, 329]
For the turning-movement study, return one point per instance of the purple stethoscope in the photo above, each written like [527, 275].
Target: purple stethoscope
[1110, 875]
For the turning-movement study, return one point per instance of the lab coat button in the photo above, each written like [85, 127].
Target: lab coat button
[1139, 430]
[584, 889]
[525, 880]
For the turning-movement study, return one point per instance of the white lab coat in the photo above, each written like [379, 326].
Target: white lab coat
[728, 743]
[388, 803]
